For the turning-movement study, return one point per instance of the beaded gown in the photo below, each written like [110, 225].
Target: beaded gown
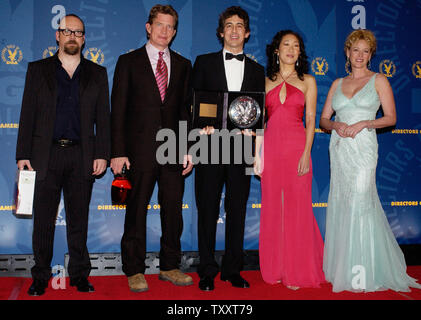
[361, 252]
[290, 243]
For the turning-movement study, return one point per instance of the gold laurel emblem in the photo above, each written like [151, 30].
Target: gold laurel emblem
[95, 55]
[11, 54]
[388, 68]
[49, 52]
[416, 69]
[319, 66]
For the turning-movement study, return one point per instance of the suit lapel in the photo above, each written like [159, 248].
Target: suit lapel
[50, 76]
[220, 70]
[85, 76]
[174, 74]
[247, 74]
[144, 59]
[143, 63]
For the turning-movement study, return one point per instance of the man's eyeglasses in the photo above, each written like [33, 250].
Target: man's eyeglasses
[68, 32]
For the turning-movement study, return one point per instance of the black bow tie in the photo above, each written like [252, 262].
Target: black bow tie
[229, 56]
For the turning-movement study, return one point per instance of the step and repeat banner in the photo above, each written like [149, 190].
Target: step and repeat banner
[27, 33]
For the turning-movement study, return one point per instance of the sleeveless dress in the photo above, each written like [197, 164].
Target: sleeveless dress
[290, 243]
[361, 252]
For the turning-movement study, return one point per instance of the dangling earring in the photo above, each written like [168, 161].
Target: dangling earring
[369, 65]
[347, 66]
[277, 59]
[296, 64]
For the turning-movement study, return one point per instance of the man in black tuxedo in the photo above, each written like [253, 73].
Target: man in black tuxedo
[151, 91]
[226, 70]
[64, 135]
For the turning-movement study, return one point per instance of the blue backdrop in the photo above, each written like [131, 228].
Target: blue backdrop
[115, 27]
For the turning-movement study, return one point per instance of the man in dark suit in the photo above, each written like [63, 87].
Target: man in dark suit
[64, 135]
[226, 70]
[151, 91]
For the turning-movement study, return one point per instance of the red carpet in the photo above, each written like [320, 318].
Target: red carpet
[116, 288]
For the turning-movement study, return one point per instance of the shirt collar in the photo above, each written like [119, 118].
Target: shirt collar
[154, 52]
[79, 68]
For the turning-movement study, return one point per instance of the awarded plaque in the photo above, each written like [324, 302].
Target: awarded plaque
[228, 110]
[244, 112]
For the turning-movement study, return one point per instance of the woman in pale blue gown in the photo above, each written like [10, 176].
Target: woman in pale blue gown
[361, 253]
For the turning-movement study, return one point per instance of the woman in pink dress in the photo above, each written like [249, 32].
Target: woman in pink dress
[290, 243]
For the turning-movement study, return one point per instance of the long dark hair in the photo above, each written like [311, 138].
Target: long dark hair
[273, 68]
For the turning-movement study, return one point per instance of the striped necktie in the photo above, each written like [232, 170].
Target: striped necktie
[161, 76]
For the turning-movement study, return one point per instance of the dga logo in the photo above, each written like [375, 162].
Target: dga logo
[251, 57]
[416, 69]
[95, 55]
[11, 54]
[319, 66]
[388, 68]
[49, 52]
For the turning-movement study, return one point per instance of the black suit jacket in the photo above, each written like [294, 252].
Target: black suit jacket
[209, 74]
[137, 111]
[38, 113]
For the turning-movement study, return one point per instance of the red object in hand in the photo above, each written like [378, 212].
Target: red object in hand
[120, 189]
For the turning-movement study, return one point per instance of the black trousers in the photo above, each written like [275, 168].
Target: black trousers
[170, 198]
[209, 181]
[64, 173]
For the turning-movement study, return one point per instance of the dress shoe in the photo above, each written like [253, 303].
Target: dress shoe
[137, 283]
[206, 284]
[176, 277]
[82, 285]
[37, 288]
[236, 281]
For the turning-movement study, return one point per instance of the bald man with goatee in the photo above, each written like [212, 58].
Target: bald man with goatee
[64, 135]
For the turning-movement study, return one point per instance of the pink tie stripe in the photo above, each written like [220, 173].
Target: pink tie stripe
[161, 76]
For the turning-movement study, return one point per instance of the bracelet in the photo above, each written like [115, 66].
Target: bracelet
[369, 129]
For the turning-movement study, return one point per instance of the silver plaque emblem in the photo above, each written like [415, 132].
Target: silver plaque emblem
[244, 112]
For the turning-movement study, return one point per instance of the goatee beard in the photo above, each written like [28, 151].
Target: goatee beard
[71, 50]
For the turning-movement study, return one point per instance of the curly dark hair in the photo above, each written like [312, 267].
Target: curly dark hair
[228, 13]
[273, 68]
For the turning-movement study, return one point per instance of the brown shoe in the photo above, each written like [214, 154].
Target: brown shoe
[137, 283]
[176, 277]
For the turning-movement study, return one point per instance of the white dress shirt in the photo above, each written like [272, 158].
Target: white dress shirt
[153, 54]
[234, 72]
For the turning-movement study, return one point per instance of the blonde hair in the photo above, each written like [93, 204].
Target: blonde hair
[361, 34]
